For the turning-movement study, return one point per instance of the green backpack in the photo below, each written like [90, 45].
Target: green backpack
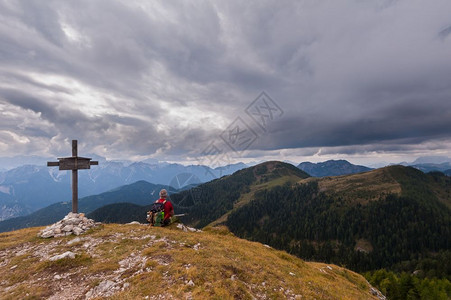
[156, 214]
[158, 218]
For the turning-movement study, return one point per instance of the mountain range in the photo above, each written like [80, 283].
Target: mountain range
[395, 217]
[28, 188]
[431, 167]
[138, 193]
[214, 200]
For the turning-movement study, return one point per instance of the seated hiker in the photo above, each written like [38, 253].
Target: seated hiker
[161, 212]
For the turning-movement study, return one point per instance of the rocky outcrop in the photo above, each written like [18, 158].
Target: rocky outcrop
[71, 224]
[377, 293]
[186, 228]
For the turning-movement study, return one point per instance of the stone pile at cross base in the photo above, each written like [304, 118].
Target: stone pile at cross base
[71, 224]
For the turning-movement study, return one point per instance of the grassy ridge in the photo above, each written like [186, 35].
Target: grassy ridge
[141, 261]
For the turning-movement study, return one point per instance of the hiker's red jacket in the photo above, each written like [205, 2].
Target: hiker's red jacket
[168, 208]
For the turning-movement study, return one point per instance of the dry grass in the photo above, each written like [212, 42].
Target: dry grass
[163, 263]
[361, 187]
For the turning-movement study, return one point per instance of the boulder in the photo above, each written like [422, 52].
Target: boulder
[68, 227]
[77, 230]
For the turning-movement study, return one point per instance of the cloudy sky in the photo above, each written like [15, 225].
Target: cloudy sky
[218, 81]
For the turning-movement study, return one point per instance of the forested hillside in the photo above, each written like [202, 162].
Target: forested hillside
[317, 226]
[394, 218]
[210, 201]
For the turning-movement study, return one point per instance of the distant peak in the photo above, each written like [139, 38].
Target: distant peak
[431, 160]
[332, 168]
[278, 168]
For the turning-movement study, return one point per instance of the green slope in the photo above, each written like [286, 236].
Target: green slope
[365, 221]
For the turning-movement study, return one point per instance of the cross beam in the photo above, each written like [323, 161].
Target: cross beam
[73, 163]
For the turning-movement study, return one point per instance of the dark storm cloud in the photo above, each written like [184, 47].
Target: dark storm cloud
[412, 121]
[25, 101]
[63, 117]
[165, 79]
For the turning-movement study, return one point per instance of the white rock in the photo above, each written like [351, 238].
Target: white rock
[68, 228]
[75, 240]
[182, 227]
[101, 289]
[191, 283]
[64, 255]
[77, 230]
[46, 234]
[133, 223]
[71, 215]
[192, 229]
[72, 222]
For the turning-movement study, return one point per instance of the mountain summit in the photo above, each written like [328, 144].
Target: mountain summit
[141, 262]
[331, 168]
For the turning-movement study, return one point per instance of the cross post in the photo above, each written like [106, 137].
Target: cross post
[73, 163]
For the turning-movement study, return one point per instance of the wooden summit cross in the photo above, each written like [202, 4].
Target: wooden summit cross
[73, 163]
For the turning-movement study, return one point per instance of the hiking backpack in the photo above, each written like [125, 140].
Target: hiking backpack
[156, 214]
